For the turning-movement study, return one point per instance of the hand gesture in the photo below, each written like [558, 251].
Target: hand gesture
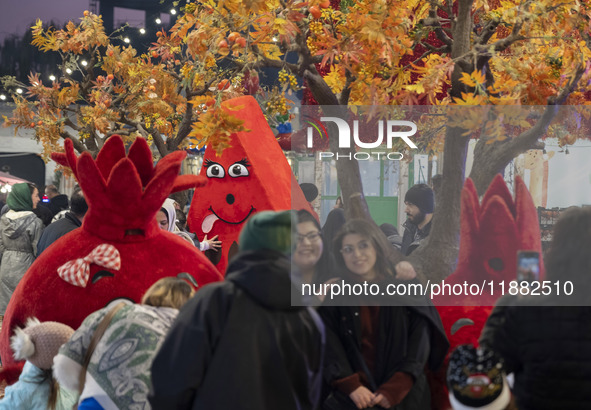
[362, 397]
[213, 242]
[405, 271]
[380, 400]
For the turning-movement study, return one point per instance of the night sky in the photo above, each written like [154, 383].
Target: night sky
[16, 17]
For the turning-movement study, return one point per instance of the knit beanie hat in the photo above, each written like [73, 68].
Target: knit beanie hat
[268, 230]
[310, 191]
[19, 198]
[421, 195]
[476, 379]
[39, 342]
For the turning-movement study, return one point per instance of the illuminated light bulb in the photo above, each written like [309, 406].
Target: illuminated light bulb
[172, 11]
[126, 40]
[19, 90]
[52, 77]
[2, 97]
[158, 21]
[68, 71]
[84, 63]
[142, 31]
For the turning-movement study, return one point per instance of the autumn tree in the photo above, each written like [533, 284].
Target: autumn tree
[366, 52]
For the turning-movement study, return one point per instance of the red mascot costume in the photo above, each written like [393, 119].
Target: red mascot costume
[119, 251]
[491, 233]
[252, 175]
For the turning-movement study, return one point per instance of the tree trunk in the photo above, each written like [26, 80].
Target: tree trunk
[492, 158]
[436, 258]
[348, 173]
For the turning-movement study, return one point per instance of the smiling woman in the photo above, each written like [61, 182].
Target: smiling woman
[387, 368]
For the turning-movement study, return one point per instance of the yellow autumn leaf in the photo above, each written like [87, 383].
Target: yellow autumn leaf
[335, 80]
[415, 88]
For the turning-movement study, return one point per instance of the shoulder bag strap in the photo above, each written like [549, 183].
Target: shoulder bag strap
[96, 337]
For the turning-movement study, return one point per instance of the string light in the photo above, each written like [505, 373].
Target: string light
[126, 40]
[275, 39]
[52, 77]
[84, 63]
[2, 97]
[172, 11]
[19, 90]
[68, 71]
[142, 31]
[158, 21]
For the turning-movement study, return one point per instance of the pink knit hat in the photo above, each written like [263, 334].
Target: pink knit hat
[39, 342]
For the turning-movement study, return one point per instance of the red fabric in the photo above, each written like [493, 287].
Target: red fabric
[123, 194]
[497, 228]
[11, 373]
[349, 384]
[370, 316]
[396, 389]
[226, 203]
[77, 271]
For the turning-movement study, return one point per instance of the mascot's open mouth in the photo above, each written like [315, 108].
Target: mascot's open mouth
[210, 219]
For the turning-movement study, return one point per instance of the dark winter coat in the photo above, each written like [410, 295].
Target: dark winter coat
[58, 203]
[413, 236]
[56, 230]
[239, 344]
[409, 337]
[548, 348]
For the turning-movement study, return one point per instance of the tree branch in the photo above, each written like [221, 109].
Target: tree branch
[346, 93]
[184, 128]
[159, 142]
[75, 141]
[433, 21]
[321, 91]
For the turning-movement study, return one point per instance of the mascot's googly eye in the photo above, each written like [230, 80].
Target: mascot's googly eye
[214, 170]
[238, 170]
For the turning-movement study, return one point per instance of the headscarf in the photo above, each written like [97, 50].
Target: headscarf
[168, 206]
[170, 211]
[19, 198]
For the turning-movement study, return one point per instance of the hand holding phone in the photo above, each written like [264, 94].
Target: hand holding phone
[528, 266]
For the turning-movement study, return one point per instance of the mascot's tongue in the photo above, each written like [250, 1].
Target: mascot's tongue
[208, 223]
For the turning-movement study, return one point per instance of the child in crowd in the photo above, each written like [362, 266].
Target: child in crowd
[38, 343]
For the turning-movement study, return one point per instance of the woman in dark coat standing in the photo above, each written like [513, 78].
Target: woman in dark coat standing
[376, 355]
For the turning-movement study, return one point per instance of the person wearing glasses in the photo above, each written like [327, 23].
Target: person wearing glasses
[377, 354]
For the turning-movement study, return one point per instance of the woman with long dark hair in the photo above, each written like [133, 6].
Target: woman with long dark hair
[376, 355]
[310, 258]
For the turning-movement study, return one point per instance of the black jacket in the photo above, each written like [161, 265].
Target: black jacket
[413, 236]
[239, 344]
[548, 348]
[409, 337]
[396, 351]
[56, 230]
[58, 203]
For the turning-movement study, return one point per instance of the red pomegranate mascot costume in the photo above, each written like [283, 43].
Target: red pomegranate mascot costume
[491, 234]
[119, 251]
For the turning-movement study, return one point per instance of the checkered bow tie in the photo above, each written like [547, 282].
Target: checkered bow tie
[77, 271]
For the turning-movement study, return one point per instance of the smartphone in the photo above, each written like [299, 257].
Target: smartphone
[528, 266]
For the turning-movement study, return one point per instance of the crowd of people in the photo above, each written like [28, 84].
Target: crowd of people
[253, 341]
